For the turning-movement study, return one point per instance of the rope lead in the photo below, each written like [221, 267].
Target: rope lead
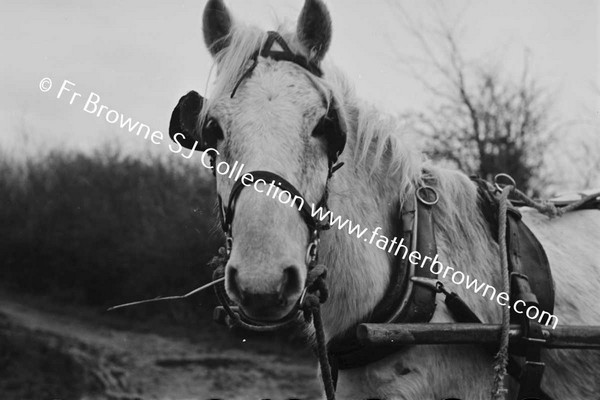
[548, 208]
[313, 307]
[501, 358]
[317, 293]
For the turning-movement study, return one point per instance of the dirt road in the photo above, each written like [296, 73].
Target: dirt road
[47, 355]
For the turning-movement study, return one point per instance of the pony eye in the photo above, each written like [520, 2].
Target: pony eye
[211, 133]
[330, 129]
[321, 128]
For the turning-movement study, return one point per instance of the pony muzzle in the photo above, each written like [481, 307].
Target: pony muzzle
[272, 300]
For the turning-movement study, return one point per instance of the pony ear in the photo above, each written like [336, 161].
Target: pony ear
[314, 28]
[184, 120]
[216, 25]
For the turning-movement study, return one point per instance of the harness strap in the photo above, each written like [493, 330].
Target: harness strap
[521, 258]
[227, 213]
[457, 306]
[285, 54]
[533, 340]
[464, 314]
[392, 300]
[407, 299]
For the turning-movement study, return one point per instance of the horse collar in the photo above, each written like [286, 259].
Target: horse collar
[411, 293]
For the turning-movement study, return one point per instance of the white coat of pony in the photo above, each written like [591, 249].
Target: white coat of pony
[267, 125]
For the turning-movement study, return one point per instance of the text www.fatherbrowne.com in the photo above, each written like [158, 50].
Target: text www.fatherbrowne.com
[397, 247]
[394, 246]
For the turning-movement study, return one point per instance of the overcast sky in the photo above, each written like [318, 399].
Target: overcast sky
[140, 56]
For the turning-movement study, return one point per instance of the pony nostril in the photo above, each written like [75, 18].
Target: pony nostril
[232, 284]
[291, 284]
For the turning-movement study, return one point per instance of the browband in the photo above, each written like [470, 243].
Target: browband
[285, 54]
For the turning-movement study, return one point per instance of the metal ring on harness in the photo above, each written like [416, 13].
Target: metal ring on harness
[312, 250]
[302, 297]
[499, 185]
[228, 245]
[424, 198]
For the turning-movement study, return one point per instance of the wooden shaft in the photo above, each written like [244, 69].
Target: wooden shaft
[563, 337]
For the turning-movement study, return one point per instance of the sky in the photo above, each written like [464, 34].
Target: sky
[139, 57]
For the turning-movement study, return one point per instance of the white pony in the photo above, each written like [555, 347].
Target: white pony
[268, 125]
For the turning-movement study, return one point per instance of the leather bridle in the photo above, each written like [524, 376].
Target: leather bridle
[228, 212]
[314, 225]
[402, 301]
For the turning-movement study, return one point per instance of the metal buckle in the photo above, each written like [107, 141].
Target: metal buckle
[228, 245]
[534, 340]
[430, 283]
[302, 296]
[311, 252]
[423, 196]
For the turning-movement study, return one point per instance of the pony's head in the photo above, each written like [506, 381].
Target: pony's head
[270, 110]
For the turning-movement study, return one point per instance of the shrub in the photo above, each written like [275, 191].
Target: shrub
[105, 228]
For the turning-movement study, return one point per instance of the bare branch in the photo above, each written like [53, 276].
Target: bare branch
[484, 122]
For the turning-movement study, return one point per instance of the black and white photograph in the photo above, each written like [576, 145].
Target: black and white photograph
[300, 200]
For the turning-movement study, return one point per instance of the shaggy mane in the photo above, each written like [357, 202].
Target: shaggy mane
[375, 140]
[384, 167]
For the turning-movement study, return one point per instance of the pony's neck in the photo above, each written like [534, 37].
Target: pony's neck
[382, 169]
[368, 191]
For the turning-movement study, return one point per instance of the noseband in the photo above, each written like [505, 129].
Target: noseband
[316, 273]
[228, 212]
